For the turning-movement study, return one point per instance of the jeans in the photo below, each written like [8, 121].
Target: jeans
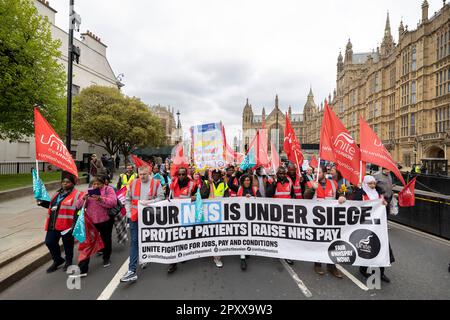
[105, 229]
[52, 243]
[134, 246]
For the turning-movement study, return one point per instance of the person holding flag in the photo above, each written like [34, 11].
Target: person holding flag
[297, 180]
[62, 210]
[232, 180]
[324, 189]
[369, 191]
[144, 190]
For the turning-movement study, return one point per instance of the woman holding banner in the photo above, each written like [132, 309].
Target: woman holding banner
[369, 192]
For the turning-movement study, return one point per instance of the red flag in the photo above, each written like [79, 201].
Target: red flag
[93, 243]
[347, 155]
[275, 158]
[262, 152]
[49, 147]
[178, 160]
[291, 145]
[139, 162]
[313, 163]
[326, 151]
[373, 151]
[406, 197]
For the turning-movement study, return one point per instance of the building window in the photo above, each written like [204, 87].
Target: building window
[354, 97]
[377, 82]
[392, 130]
[442, 82]
[407, 160]
[341, 106]
[413, 92]
[442, 119]
[413, 125]
[393, 77]
[405, 95]
[414, 59]
[404, 127]
[406, 61]
[392, 103]
[376, 129]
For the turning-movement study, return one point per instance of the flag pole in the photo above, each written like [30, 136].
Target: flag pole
[360, 172]
[37, 168]
[318, 169]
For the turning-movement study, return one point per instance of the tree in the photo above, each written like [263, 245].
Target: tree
[29, 70]
[105, 117]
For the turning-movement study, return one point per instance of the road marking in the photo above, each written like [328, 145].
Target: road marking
[297, 279]
[112, 286]
[420, 233]
[352, 278]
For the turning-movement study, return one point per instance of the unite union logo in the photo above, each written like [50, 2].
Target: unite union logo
[345, 143]
[55, 143]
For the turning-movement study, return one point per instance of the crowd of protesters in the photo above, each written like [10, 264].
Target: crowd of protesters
[154, 183]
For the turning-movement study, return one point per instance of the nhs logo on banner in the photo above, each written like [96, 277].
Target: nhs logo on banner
[212, 213]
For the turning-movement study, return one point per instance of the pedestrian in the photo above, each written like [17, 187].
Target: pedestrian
[126, 178]
[282, 188]
[296, 179]
[146, 191]
[385, 186]
[183, 187]
[117, 161]
[218, 189]
[97, 206]
[96, 168]
[247, 190]
[60, 222]
[325, 189]
[366, 193]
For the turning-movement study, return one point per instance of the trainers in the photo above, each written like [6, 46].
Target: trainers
[218, 262]
[385, 279]
[66, 266]
[243, 265]
[318, 269]
[289, 262]
[172, 268]
[106, 264]
[82, 275]
[129, 277]
[55, 266]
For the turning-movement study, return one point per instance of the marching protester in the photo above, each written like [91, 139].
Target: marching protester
[232, 180]
[369, 191]
[60, 222]
[218, 189]
[282, 188]
[262, 181]
[344, 186]
[126, 178]
[297, 180]
[144, 190]
[385, 185]
[97, 206]
[96, 168]
[182, 187]
[325, 189]
[247, 190]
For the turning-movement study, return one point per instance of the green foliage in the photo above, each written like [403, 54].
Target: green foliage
[29, 70]
[105, 117]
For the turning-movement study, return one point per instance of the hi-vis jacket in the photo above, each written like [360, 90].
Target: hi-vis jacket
[283, 191]
[135, 191]
[66, 213]
[330, 190]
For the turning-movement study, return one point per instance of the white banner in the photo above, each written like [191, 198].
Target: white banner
[354, 233]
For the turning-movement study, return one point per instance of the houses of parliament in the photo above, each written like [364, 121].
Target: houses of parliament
[402, 90]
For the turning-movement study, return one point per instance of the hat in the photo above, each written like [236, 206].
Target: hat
[70, 177]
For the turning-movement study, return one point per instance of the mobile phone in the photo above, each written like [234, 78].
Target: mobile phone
[94, 192]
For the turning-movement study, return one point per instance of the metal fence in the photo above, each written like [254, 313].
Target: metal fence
[25, 167]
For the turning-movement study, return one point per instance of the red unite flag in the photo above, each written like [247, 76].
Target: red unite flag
[345, 152]
[275, 158]
[406, 197]
[139, 162]
[313, 163]
[93, 243]
[373, 151]
[178, 160]
[292, 145]
[49, 147]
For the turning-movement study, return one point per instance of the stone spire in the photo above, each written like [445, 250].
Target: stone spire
[340, 64]
[277, 105]
[401, 30]
[388, 41]
[425, 7]
[349, 53]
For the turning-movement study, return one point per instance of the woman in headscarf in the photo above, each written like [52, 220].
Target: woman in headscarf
[62, 211]
[366, 193]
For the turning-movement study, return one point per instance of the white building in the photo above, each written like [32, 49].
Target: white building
[93, 69]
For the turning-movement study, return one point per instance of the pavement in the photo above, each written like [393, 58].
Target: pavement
[420, 272]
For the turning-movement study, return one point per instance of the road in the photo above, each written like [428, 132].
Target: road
[420, 272]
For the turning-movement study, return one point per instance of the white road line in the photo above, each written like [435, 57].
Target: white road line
[420, 233]
[297, 279]
[352, 278]
[112, 286]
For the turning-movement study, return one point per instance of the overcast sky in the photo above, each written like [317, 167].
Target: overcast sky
[205, 57]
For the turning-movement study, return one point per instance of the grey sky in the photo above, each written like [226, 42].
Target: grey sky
[205, 57]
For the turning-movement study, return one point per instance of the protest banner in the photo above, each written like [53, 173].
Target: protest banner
[208, 146]
[354, 233]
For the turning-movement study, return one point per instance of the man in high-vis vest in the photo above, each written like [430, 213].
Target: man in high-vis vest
[60, 221]
[297, 180]
[126, 178]
[218, 189]
[144, 190]
[325, 189]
